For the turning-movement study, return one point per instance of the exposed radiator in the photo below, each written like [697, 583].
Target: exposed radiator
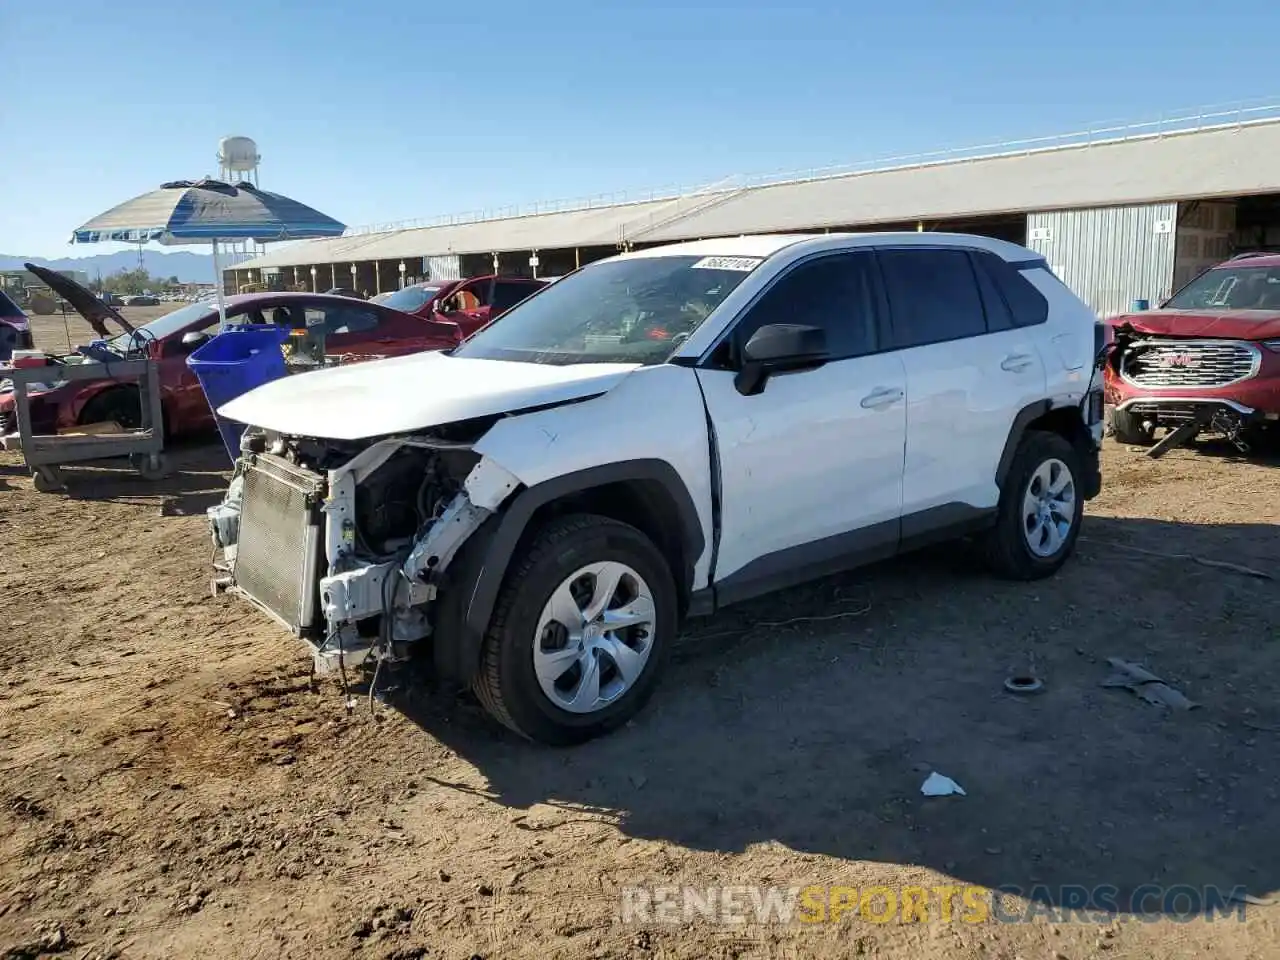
[278, 557]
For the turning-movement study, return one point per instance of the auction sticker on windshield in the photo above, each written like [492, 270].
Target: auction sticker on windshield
[743, 264]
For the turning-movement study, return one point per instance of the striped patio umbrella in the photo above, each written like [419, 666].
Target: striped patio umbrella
[208, 211]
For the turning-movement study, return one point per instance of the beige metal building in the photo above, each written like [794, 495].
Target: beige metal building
[1121, 214]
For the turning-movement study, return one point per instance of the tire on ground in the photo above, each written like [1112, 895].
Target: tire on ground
[1005, 545]
[121, 404]
[1128, 429]
[506, 683]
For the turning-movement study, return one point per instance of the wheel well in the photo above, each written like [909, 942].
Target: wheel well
[105, 394]
[644, 504]
[1066, 422]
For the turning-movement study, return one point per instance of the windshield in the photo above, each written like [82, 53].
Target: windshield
[409, 299]
[1230, 288]
[636, 310]
[159, 328]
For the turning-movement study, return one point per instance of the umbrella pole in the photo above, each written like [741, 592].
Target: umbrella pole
[217, 289]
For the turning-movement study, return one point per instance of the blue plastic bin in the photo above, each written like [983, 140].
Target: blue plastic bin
[233, 363]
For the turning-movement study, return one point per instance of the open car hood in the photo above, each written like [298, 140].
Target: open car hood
[414, 392]
[1223, 324]
[82, 301]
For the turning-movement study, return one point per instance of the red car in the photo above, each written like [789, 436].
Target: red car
[354, 329]
[15, 328]
[469, 303]
[1212, 351]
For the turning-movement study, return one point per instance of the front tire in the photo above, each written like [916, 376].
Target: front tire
[581, 631]
[1130, 429]
[1040, 511]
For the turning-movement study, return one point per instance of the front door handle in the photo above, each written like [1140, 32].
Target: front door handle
[882, 397]
[1016, 362]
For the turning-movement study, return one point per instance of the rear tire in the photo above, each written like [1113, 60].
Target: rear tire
[562, 686]
[1129, 429]
[1041, 507]
[119, 404]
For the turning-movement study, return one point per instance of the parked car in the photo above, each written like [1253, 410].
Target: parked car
[344, 292]
[142, 300]
[661, 434]
[15, 328]
[469, 303]
[359, 331]
[1212, 350]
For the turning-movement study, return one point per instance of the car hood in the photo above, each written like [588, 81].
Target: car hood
[82, 301]
[1227, 324]
[405, 394]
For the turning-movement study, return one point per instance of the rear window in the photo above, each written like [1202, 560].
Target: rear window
[933, 295]
[8, 308]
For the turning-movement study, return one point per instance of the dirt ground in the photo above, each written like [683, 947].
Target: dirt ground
[174, 786]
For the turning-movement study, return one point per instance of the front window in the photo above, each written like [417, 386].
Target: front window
[159, 328]
[637, 310]
[409, 299]
[1230, 288]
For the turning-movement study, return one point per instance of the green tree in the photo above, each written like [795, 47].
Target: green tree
[126, 282]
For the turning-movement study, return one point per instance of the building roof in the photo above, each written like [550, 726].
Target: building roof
[594, 226]
[1222, 161]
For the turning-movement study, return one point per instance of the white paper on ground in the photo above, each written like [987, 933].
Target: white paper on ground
[936, 785]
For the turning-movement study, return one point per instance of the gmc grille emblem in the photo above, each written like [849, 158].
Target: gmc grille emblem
[1178, 360]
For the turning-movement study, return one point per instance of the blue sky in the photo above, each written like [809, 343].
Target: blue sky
[375, 111]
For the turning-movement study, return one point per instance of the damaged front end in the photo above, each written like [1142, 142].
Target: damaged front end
[346, 543]
[1186, 385]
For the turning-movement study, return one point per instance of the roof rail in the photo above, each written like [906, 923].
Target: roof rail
[1253, 253]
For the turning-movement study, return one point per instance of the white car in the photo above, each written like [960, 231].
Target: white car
[658, 435]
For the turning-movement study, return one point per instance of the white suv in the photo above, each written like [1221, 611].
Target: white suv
[655, 436]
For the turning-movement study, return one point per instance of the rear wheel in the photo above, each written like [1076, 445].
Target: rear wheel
[1131, 429]
[122, 406]
[1041, 506]
[580, 633]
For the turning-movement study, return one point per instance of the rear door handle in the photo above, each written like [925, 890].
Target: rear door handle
[1016, 362]
[882, 397]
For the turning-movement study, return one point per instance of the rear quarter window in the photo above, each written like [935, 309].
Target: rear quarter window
[1026, 305]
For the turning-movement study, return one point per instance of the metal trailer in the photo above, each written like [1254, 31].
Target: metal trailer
[45, 453]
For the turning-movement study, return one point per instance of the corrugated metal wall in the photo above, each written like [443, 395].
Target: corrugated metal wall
[1109, 256]
[447, 267]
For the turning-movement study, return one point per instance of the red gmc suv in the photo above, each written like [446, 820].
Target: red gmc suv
[1211, 351]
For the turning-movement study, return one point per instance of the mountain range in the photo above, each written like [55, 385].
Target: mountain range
[187, 267]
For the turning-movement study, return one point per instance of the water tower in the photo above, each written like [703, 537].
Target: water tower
[238, 159]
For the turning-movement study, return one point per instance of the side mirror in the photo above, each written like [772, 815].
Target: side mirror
[776, 348]
[195, 338]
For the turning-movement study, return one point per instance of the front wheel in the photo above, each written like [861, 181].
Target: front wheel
[580, 633]
[1131, 429]
[1041, 507]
